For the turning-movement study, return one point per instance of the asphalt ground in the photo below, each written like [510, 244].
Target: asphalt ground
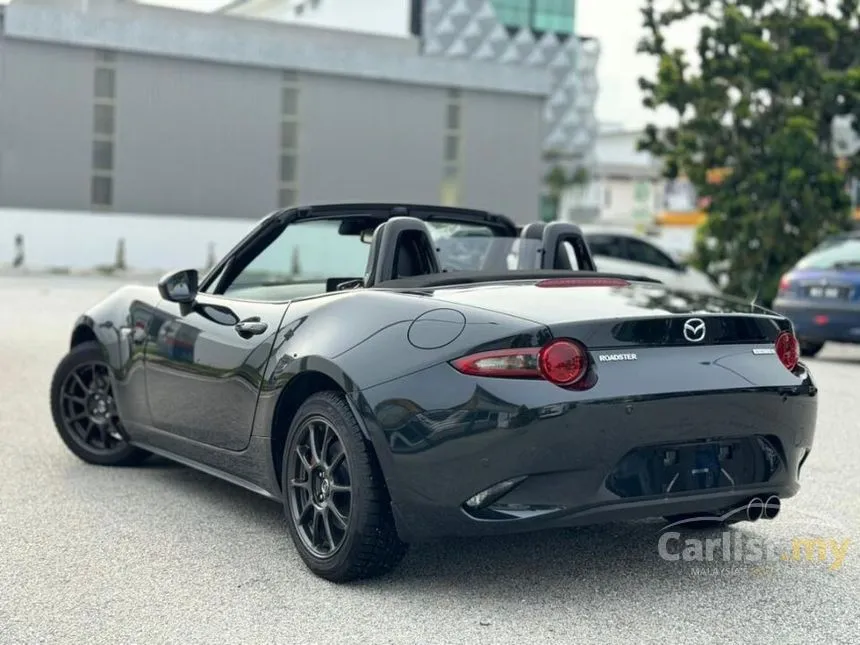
[164, 554]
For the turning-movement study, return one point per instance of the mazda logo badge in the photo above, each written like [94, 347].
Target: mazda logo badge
[694, 330]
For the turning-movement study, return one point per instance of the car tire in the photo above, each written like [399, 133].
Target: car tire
[84, 410]
[809, 349]
[367, 544]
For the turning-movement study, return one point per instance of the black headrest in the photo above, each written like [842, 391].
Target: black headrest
[402, 247]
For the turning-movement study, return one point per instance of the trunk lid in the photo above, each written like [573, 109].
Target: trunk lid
[636, 334]
[637, 315]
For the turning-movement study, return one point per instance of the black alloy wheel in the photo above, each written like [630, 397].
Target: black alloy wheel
[85, 412]
[337, 506]
[320, 489]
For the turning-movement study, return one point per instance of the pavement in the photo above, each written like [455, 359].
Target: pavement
[163, 554]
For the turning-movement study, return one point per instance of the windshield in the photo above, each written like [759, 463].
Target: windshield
[315, 251]
[839, 255]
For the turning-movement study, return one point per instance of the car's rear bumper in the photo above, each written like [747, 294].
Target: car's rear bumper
[816, 322]
[576, 458]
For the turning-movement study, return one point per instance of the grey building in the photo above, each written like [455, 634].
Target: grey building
[109, 105]
[533, 36]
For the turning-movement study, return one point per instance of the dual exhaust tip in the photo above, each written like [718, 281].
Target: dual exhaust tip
[758, 509]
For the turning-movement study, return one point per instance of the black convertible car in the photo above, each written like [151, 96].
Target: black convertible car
[336, 361]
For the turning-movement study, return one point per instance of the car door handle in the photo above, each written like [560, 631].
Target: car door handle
[250, 327]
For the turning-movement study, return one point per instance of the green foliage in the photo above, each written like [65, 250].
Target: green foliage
[772, 75]
[560, 177]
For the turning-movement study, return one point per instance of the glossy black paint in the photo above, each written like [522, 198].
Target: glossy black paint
[190, 386]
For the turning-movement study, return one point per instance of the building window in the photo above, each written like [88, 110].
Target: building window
[288, 169]
[104, 129]
[103, 119]
[513, 13]
[541, 15]
[553, 15]
[452, 145]
[103, 155]
[290, 100]
[454, 116]
[105, 83]
[289, 137]
[452, 153]
[102, 191]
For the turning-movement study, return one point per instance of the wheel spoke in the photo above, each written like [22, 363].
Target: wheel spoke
[337, 461]
[76, 399]
[341, 488]
[315, 525]
[327, 438]
[77, 417]
[312, 443]
[296, 483]
[303, 460]
[86, 430]
[327, 527]
[81, 382]
[338, 517]
[302, 519]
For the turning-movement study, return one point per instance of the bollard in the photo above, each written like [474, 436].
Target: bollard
[18, 259]
[119, 262]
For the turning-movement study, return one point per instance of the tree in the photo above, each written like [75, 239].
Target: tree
[560, 177]
[772, 76]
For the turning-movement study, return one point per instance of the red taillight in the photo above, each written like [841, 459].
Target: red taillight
[503, 363]
[583, 282]
[784, 283]
[788, 350]
[562, 362]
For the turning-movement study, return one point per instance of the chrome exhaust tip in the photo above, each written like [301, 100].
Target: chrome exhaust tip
[755, 509]
[771, 507]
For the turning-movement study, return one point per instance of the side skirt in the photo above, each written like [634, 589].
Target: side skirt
[209, 470]
[251, 468]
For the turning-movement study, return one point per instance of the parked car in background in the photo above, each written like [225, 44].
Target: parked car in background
[821, 295]
[830, 240]
[620, 251]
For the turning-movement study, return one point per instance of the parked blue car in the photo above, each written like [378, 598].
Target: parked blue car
[821, 295]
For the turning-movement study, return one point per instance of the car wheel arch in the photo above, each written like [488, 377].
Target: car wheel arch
[82, 333]
[299, 389]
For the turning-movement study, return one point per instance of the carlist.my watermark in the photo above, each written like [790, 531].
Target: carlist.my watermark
[732, 551]
[737, 548]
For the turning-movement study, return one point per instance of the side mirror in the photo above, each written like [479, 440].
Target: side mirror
[179, 286]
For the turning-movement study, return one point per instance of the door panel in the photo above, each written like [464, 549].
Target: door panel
[203, 375]
[130, 340]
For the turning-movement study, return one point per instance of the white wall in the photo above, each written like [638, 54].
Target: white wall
[631, 201]
[620, 148]
[618, 199]
[56, 239]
